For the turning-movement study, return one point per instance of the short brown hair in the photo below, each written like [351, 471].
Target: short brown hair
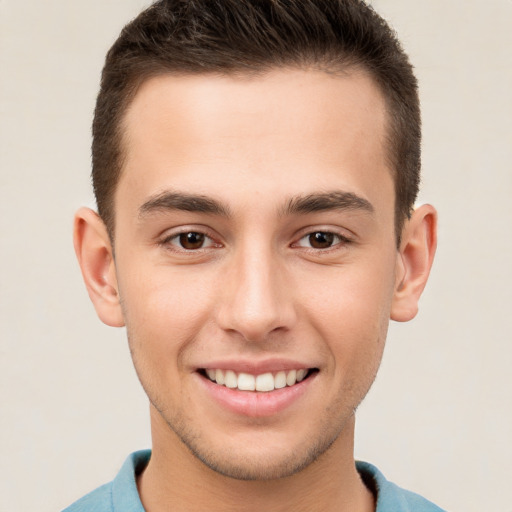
[237, 36]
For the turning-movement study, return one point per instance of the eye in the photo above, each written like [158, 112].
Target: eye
[190, 241]
[321, 240]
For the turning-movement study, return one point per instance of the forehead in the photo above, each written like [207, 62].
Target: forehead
[285, 132]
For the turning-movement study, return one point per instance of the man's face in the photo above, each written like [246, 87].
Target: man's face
[255, 235]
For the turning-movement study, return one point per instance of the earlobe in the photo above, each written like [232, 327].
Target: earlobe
[95, 256]
[416, 254]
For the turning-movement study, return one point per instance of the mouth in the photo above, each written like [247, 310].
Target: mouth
[263, 382]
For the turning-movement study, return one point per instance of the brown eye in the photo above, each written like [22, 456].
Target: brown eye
[191, 240]
[321, 240]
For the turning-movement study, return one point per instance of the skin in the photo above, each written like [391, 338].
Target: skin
[260, 288]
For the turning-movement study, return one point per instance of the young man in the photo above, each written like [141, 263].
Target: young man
[255, 165]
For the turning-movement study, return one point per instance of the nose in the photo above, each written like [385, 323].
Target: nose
[257, 300]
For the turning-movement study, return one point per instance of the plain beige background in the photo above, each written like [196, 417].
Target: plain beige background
[439, 418]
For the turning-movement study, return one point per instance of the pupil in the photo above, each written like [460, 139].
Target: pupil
[321, 240]
[191, 240]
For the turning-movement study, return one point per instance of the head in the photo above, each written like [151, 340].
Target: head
[237, 37]
[255, 165]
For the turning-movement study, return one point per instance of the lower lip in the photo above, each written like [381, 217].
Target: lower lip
[256, 404]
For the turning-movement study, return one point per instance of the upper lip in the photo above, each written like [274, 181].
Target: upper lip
[255, 367]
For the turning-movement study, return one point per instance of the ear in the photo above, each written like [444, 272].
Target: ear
[95, 256]
[415, 257]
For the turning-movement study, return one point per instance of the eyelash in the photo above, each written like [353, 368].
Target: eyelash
[338, 241]
[167, 241]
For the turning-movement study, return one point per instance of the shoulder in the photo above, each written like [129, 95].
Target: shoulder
[99, 500]
[391, 497]
[121, 494]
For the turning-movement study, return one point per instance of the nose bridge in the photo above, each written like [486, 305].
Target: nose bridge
[256, 303]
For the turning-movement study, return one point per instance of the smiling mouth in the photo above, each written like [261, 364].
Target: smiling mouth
[263, 382]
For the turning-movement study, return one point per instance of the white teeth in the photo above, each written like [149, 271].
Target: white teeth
[219, 376]
[246, 382]
[280, 380]
[230, 379]
[291, 377]
[263, 382]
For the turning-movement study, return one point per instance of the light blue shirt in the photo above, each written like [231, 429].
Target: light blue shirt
[121, 494]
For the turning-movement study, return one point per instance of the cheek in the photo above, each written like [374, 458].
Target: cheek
[164, 310]
[350, 309]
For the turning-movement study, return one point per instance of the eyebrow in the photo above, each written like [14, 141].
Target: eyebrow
[183, 201]
[311, 203]
[319, 202]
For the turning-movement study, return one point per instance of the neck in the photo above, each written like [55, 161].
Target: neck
[175, 476]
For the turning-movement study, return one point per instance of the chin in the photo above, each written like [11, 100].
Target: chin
[250, 467]
[258, 456]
